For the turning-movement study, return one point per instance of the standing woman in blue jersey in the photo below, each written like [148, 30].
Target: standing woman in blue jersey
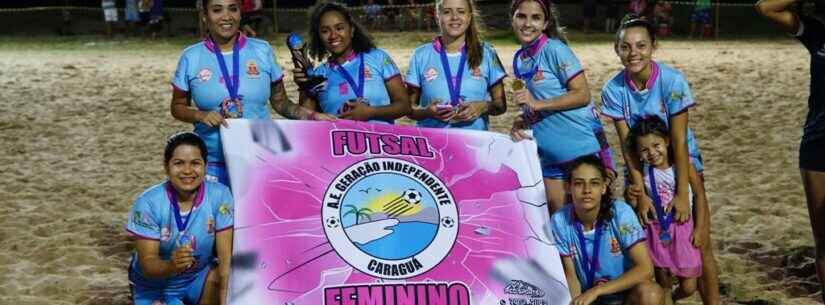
[556, 101]
[179, 225]
[810, 31]
[603, 247]
[227, 74]
[362, 82]
[647, 88]
[456, 79]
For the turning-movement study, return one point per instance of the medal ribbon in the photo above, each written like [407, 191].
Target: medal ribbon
[359, 87]
[232, 83]
[181, 222]
[453, 84]
[590, 263]
[664, 220]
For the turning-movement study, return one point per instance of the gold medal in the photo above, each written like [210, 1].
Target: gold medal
[517, 84]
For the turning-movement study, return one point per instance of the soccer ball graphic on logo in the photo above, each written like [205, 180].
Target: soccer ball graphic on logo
[412, 196]
[332, 222]
[447, 222]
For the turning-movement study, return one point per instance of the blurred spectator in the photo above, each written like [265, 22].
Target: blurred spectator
[144, 7]
[252, 12]
[662, 17]
[611, 14]
[131, 15]
[66, 26]
[159, 20]
[700, 18]
[637, 7]
[588, 13]
[109, 14]
[372, 12]
[392, 14]
[414, 16]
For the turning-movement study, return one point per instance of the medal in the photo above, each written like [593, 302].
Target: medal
[453, 84]
[230, 108]
[183, 239]
[530, 117]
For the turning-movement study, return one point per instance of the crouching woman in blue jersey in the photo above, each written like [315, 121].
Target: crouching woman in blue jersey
[362, 82]
[603, 247]
[554, 97]
[176, 224]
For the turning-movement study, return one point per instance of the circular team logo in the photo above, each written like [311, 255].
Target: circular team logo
[390, 218]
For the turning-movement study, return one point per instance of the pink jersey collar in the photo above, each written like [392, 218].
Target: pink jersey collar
[212, 47]
[350, 58]
[437, 44]
[535, 46]
[654, 75]
[170, 193]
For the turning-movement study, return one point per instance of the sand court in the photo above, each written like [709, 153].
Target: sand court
[84, 124]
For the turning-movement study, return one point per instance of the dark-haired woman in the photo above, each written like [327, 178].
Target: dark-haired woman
[647, 88]
[224, 71]
[456, 79]
[362, 82]
[176, 224]
[554, 97]
[810, 31]
[602, 245]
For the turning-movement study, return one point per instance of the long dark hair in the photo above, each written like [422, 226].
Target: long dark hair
[606, 205]
[361, 41]
[183, 138]
[551, 13]
[650, 125]
[472, 38]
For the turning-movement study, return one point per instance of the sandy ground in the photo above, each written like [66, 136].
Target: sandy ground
[83, 130]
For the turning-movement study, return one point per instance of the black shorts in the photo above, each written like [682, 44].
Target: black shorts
[812, 155]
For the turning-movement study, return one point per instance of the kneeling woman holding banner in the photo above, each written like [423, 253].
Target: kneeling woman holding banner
[176, 225]
[362, 82]
[602, 244]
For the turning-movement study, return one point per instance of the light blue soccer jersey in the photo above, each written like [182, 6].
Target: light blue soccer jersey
[667, 94]
[547, 68]
[622, 232]
[426, 72]
[152, 217]
[200, 75]
[333, 94]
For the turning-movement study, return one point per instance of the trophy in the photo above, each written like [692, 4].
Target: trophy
[527, 114]
[298, 49]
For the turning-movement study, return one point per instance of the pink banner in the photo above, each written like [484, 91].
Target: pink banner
[350, 213]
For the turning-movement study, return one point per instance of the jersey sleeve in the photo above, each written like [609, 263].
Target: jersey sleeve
[181, 78]
[413, 73]
[812, 33]
[495, 70]
[225, 211]
[612, 105]
[556, 230]
[629, 230]
[564, 63]
[388, 67]
[276, 74]
[143, 222]
[679, 99]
